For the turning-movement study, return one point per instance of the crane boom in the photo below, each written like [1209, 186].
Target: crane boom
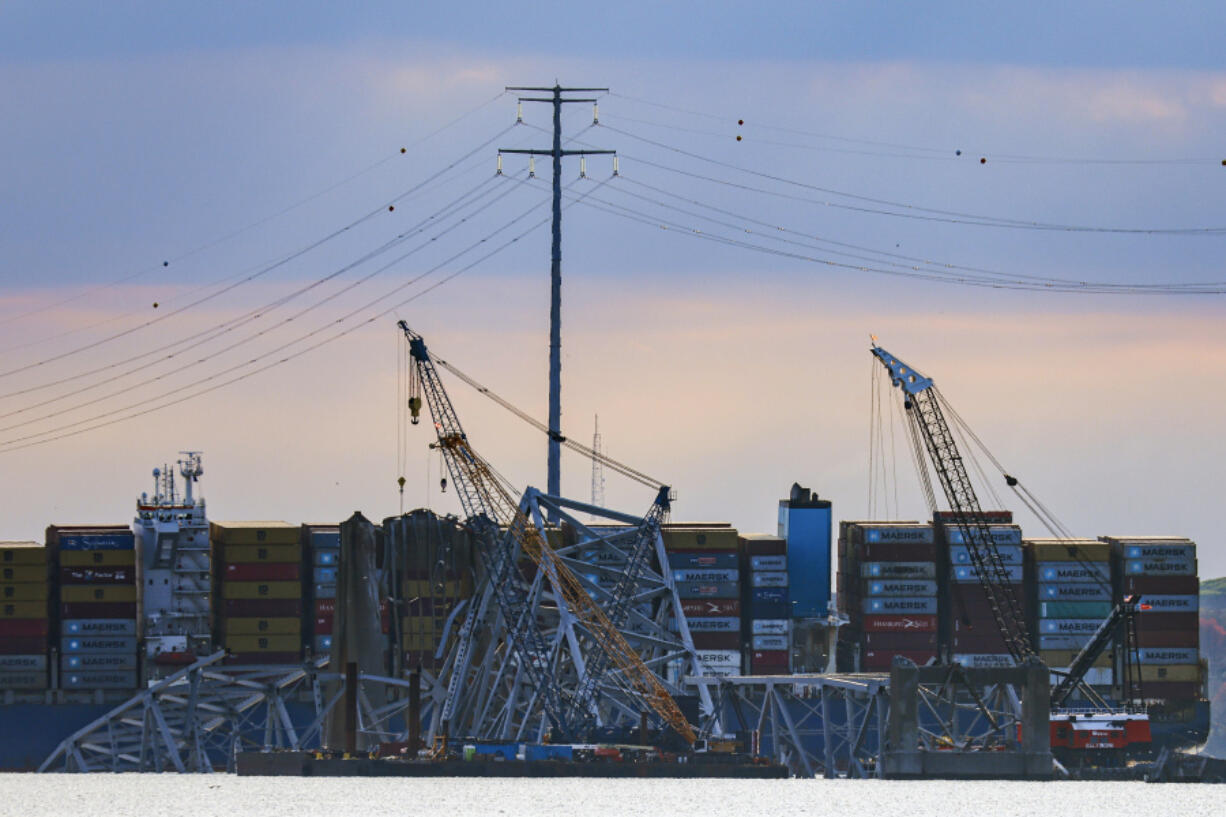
[487, 501]
[921, 401]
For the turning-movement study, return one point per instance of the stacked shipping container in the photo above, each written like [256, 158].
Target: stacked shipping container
[323, 548]
[98, 605]
[259, 567]
[975, 639]
[1163, 570]
[704, 564]
[769, 606]
[1072, 594]
[888, 592]
[24, 615]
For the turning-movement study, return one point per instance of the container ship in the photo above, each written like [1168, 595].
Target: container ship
[96, 612]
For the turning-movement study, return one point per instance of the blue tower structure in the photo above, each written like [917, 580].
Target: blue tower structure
[805, 522]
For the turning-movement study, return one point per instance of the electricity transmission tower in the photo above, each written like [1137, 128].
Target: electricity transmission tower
[556, 99]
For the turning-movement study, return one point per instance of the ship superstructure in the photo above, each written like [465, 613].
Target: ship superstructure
[172, 540]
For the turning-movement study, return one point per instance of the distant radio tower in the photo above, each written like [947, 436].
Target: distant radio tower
[597, 468]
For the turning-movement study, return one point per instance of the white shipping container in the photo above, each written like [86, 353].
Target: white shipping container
[1095, 676]
[1009, 554]
[769, 626]
[769, 578]
[719, 658]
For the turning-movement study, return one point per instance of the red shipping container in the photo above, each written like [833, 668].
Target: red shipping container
[23, 645]
[262, 572]
[325, 607]
[424, 658]
[118, 574]
[323, 621]
[880, 660]
[899, 624]
[711, 608]
[1162, 585]
[769, 659]
[1150, 622]
[263, 658]
[978, 642]
[98, 609]
[1168, 638]
[17, 627]
[1171, 690]
[261, 608]
[716, 641]
[323, 624]
[766, 547]
[906, 642]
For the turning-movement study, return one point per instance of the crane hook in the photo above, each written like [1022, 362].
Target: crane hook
[415, 410]
[443, 484]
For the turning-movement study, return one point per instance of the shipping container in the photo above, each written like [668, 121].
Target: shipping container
[325, 575]
[711, 607]
[26, 591]
[262, 643]
[1152, 604]
[707, 575]
[769, 594]
[1171, 690]
[1158, 551]
[716, 641]
[985, 639]
[261, 608]
[907, 641]
[258, 626]
[1067, 626]
[25, 574]
[763, 544]
[898, 570]
[770, 626]
[1178, 673]
[262, 572]
[97, 558]
[1009, 555]
[23, 609]
[98, 643]
[899, 623]
[1068, 550]
[1003, 536]
[893, 533]
[983, 660]
[327, 558]
[1162, 585]
[96, 609]
[261, 590]
[99, 679]
[896, 552]
[703, 590]
[880, 660]
[15, 627]
[23, 680]
[100, 574]
[967, 574]
[98, 626]
[23, 644]
[719, 658]
[1185, 637]
[1095, 676]
[1168, 655]
[248, 554]
[769, 642]
[900, 587]
[98, 594]
[1097, 610]
[1064, 642]
[1061, 659]
[110, 540]
[718, 560]
[1160, 567]
[323, 591]
[768, 562]
[1162, 622]
[776, 660]
[23, 553]
[28, 662]
[769, 609]
[98, 661]
[1073, 572]
[698, 538]
[895, 606]
[714, 624]
[769, 578]
[1074, 591]
[255, 533]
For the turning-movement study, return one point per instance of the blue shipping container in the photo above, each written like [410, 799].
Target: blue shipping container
[769, 609]
[902, 587]
[898, 570]
[707, 574]
[98, 626]
[102, 679]
[98, 661]
[1160, 567]
[770, 594]
[84, 643]
[1074, 591]
[325, 575]
[725, 560]
[1159, 552]
[327, 558]
[325, 591]
[1009, 554]
[889, 606]
[1074, 572]
[966, 573]
[120, 540]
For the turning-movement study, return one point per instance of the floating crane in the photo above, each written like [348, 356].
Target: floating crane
[487, 500]
[924, 410]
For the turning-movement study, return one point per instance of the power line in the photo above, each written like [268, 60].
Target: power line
[264, 271]
[251, 226]
[62, 432]
[933, 214]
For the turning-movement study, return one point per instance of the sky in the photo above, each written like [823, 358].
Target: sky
[201, 192]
